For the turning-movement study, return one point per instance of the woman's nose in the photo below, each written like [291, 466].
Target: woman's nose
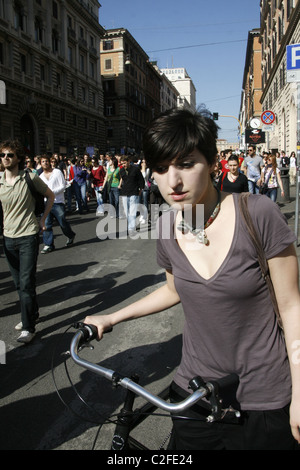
[174, 177]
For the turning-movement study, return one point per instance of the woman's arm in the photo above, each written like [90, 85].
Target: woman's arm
[159, 300]
[280, 182]
[285, 278]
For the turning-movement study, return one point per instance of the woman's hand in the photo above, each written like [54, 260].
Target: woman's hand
[295, 420]
[102, 323]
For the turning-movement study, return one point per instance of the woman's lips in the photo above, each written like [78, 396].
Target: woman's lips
[178, 196]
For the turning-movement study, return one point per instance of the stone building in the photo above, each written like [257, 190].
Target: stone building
[50, 65]
[279, 27]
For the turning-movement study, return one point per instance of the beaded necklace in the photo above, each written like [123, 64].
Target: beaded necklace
[200, 233]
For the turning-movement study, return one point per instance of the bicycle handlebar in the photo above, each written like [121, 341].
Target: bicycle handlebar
[200, 389]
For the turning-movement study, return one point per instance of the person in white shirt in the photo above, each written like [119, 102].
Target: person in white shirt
[55, 180]
[293, 168]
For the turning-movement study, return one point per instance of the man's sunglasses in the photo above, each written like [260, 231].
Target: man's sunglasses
[9, 155]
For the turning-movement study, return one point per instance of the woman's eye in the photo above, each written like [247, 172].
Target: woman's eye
[160, 169]
[187, 164]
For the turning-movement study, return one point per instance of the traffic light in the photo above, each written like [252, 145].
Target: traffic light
[215, 116]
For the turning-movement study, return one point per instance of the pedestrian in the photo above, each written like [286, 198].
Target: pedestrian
[270, 177]
[21, 231]
[29, 164]
[233, 181]
[79, 184]
[212, 269]
[251, 167]
[285, 161]
[144, 197]
[55, 180]
[132, 186]
[112, 185]
[293, 168]
[97, 181]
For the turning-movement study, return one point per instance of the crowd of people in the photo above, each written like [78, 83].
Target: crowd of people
[255, 173]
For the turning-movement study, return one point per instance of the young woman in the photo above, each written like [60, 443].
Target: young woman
[79, 184]
[271, 176]
[98, 177]
[230, 325]
[233, 181]
[113, 179]
[293, 169]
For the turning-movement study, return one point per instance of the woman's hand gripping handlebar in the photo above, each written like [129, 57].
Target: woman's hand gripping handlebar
[201, 389]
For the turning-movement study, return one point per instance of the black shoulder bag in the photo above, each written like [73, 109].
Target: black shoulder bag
[39, 198]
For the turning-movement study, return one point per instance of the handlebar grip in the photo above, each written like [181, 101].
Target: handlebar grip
[89, 332]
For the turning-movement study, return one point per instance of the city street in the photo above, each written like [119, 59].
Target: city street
[90, 277]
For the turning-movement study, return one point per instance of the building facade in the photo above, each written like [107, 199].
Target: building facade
[252, 83]
[185, 86]
[50, 65]
[279, 27]
[124, 71]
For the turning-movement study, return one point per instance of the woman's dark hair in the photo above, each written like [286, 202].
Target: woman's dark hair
[233, 157]
[115, 162]
[176, 133]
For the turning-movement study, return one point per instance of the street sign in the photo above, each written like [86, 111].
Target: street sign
[268, 117]
[293, 63]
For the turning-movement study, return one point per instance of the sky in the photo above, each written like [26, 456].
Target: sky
[206, 37]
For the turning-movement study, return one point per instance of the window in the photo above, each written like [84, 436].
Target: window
[110, 109]
[108, 45]
[81, 63]
[38, 30]
[92, 69]
[42, 72]
[83, 94]
[70, 55]
[108, 64]
[54, 9]
[23, 63]
[47, 111]
[19, 18]
[63, 115]
[55, 41]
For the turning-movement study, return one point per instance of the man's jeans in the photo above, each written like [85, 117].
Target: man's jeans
[21, 254]
[57, 212]
[253, 188]
[130, 204]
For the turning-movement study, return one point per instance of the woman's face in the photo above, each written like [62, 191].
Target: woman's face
[233, 166]
[184, 180]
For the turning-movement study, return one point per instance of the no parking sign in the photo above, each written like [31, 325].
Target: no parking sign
[268, 117]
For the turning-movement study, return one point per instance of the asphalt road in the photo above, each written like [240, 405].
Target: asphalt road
[92, 276]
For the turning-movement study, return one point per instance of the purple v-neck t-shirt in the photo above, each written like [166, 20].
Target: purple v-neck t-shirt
[230, 325]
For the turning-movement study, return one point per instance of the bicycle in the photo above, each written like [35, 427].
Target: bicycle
[129, 418]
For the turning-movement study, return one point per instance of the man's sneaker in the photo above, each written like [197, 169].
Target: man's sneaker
[70, 241]
[47, 249]
[26, 337]
[19, 326]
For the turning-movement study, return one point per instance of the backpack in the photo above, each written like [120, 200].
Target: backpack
[39, 198]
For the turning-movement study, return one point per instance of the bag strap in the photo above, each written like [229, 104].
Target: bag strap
[263, 263]
[30, 184]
